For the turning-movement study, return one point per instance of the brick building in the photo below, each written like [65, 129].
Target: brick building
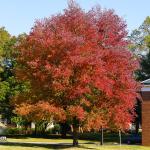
[145, 93]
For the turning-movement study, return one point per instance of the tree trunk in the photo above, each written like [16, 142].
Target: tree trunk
[137, 124]
[25, 128]
[64, 129]
[75, 135]
[102, 136]
[35, 129]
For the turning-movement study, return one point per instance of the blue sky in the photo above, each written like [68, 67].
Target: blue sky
[18, 16]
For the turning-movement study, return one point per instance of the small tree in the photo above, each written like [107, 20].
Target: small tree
[19, 121]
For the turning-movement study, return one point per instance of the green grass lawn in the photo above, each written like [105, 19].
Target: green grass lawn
[50, 144]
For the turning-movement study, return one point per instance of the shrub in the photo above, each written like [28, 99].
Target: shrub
[56, 129]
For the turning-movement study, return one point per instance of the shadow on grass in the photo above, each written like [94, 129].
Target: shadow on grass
[51, 136]
[45, 145]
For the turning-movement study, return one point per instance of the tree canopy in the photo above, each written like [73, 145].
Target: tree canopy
[140, 45]
[8, 85]
[79, 69]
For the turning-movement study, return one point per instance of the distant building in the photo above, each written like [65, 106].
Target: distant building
[2, 125]
[145, 93]
[49, 126]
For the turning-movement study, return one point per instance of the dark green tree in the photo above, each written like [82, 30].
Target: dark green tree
[9, 86]
[140, 38]
[140, 45]
[144, 72]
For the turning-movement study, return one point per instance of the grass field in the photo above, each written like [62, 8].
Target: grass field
[82, 147]
[64, 144]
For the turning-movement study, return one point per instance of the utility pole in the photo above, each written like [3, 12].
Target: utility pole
[120, 137]
[102, 136]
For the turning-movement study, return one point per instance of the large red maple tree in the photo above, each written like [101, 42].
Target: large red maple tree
[79, 69]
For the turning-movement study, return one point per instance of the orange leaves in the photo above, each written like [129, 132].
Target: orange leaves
[41, 111]
[95, 121]
[76, 111]
[24, 109]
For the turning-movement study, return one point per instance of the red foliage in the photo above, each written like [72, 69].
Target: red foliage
[79, 67]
